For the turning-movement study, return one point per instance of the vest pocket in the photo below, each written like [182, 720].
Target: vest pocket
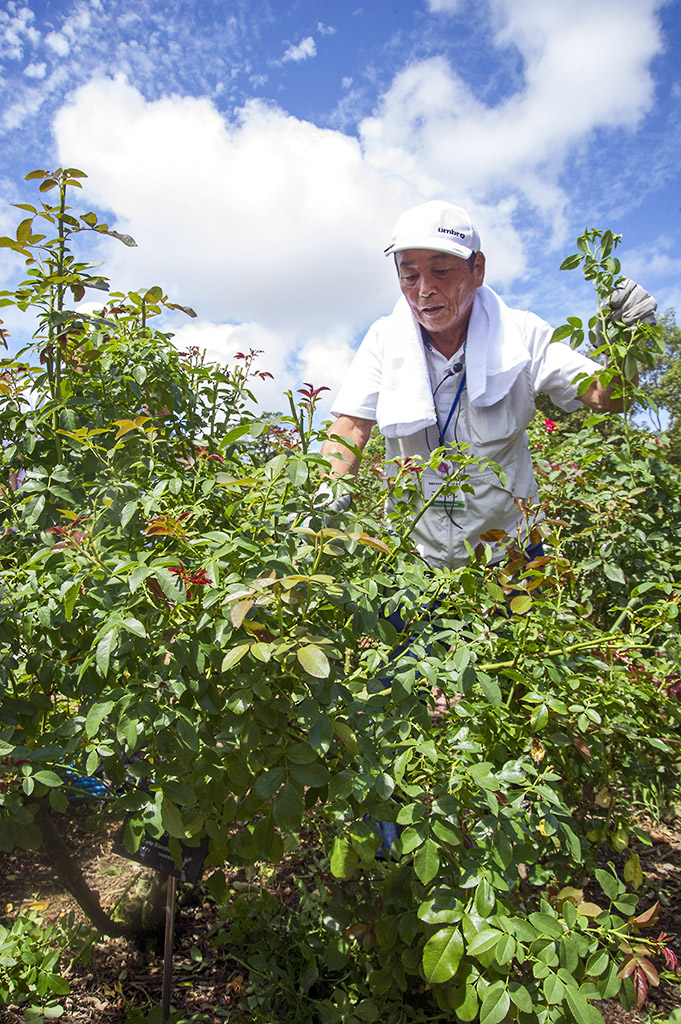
[492, 423]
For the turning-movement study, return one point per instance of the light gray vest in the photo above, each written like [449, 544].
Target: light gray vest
[497, 432]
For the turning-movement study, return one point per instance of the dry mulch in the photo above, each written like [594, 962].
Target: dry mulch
[119, 976]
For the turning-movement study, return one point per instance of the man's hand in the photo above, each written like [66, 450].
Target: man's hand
[630, 304]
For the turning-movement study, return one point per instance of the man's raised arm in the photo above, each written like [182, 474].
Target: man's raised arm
[354, 429]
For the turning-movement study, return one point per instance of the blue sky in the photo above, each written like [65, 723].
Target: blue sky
[260, 152]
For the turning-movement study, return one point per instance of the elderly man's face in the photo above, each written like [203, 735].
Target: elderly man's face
[440, 290]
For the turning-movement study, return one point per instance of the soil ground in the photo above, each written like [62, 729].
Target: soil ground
[206, 982]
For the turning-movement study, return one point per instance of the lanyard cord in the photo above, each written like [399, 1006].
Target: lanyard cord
[443, 430]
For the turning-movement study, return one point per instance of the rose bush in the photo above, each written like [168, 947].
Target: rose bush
[179, 618]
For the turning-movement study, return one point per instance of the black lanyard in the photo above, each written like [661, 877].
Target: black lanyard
[441, 431]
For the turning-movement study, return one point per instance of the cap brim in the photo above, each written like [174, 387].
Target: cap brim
[452, 248]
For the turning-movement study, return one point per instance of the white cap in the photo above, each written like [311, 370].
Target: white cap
[436, 225]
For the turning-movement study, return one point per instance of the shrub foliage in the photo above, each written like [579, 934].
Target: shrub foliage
[180, 619]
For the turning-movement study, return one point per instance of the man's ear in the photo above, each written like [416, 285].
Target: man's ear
[479, 269]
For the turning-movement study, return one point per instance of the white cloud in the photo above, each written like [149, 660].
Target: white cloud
[266, 221]
[35, 70]
[79, 22]
[649, 263]
[59, 43]
[322, 362]
[586, 67]
[305, 49]
[443, 6]
[15, 27]
[32, 99]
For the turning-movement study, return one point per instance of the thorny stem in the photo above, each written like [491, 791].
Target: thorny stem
[584, 645]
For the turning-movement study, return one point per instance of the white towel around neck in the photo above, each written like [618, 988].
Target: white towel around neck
[495, 355]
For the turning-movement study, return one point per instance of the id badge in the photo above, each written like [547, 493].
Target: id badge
[449, 497]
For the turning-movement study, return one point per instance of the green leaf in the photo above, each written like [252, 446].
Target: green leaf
[69, 599]
[297, 472]
[171, 586]
[58, 985]
[314, 661]
[24, 230]
[140, 572]
[234, 656]
[134, 626]
[630, 366]
[261, 651]
[597, 963]
[613, 572]
[505, 949]
[344, 859]
[581, 1008]
[554, 989]
[562, 332]
[521, 604]
[127, 513]
[427, 862]
[608, 883]
[547, 925]
[412, 838]
[47, 778]
[364, 840]
[442, 954]
[104, 649]
[483, 940]
[520, 997]
[539, 718]
[312, 775]
[321, 734]
[178, 792]
[464, 1000]
[491, 690]
[633, 873]
[484, 898]
[288, 807]
[347, 737]
[171, 819]
[571, 262]
[96, 716]
[495, 1005]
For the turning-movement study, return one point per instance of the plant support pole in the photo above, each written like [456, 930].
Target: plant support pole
[168, 948]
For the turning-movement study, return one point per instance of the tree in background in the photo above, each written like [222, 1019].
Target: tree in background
[663, 383]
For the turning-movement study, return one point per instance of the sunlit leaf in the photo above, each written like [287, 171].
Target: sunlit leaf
[234, 656]
[314, 661]
[442, 955]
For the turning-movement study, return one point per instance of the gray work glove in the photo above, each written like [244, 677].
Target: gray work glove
[630, 304]
[327, 508]
[324, 500]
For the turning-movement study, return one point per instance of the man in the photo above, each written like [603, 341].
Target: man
[453, 365]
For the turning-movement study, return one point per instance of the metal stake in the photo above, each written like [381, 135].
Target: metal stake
[168, 947]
